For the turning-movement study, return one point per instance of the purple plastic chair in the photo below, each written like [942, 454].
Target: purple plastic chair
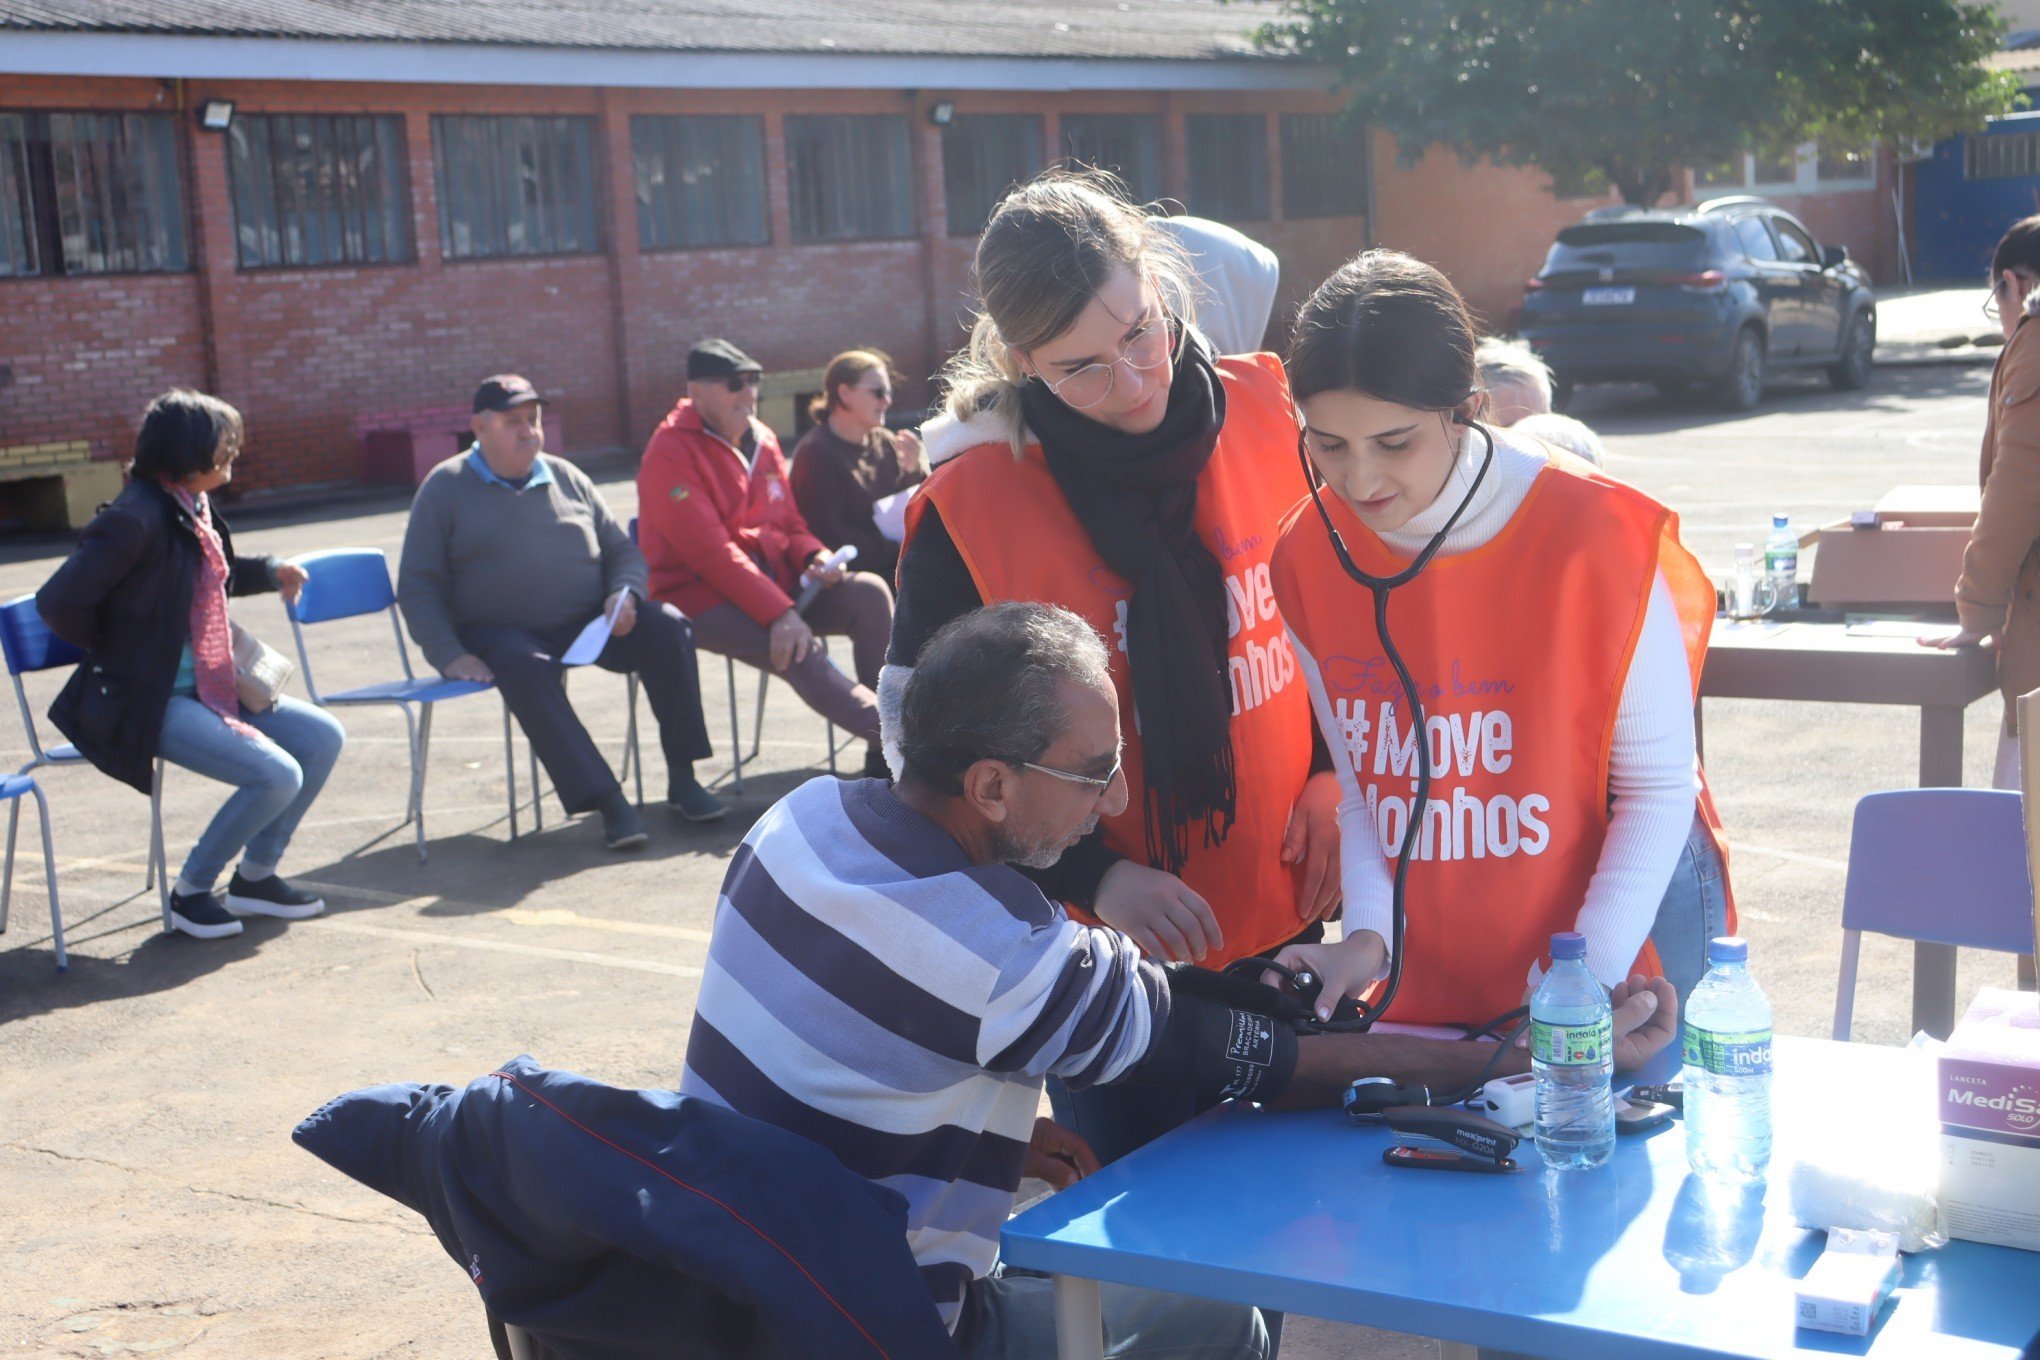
[1936, 866]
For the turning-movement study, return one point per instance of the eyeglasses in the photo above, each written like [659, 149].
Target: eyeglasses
[1096, 785]
[882, 393]
[1146, 349]
[737, 382]
[2026, 284]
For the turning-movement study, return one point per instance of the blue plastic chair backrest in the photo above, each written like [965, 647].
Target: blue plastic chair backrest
[28, 641]
[1947, 866]
[342, 583]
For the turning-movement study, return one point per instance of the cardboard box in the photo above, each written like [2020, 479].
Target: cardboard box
[1926, 507]
[1989, 1092]
[1901, 567]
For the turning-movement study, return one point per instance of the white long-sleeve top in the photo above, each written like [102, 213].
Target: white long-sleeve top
[1653, 771]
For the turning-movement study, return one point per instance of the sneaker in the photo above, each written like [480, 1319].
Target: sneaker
[694, 802]
[271, 896]
[201, 916]
[622, 828]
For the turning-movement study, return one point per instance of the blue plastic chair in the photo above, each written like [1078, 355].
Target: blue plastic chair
[346, 583]
[1937, 866]
[30, 646]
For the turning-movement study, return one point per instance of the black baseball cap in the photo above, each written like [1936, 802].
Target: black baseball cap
[719, 359]
[505, 391]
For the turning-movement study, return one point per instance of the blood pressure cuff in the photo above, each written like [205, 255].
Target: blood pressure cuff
[1216, 1048]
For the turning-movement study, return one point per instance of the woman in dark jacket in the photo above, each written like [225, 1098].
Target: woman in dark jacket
[145, 595]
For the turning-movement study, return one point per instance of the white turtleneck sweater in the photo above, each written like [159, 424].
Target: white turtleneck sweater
[1652, 768]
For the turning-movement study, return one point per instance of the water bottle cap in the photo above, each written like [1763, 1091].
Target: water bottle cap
[1728, 949]
[1745, 550]
[1568, 944]
[1780, 519]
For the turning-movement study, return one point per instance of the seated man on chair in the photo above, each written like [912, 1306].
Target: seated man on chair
[882, 980]
[509, 553]
[726, 543]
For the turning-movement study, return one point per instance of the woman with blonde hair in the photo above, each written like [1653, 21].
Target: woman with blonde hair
[1095, 454]
[850, 461]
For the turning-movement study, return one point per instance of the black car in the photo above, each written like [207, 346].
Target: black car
[1720, 294]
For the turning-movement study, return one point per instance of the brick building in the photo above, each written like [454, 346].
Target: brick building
[405, 196]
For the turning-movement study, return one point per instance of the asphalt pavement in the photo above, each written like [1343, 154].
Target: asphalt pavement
[152, 1200]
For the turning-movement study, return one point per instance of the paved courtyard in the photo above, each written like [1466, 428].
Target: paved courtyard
[150, 1199]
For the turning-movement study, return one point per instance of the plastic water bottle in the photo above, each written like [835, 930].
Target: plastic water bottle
[1572, 1053]
[1781, 561]
[1728, 1067]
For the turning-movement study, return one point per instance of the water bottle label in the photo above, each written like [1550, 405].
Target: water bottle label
[1572, 1045]
[1729, 1055]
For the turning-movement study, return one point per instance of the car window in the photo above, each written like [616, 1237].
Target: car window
[1755, 239]
[1650, 244]
[1794, 245]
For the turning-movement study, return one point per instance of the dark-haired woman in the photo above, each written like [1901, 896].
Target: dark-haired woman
[1095, 454]
[1555, 641]
[850, 461]
[145, 595]
[2001, 566]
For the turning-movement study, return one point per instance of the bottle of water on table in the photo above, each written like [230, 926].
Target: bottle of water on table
[1781, 561]
[1728, 1067]
[1572, 1053]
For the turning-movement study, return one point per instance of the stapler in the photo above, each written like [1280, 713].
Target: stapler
[1449, 1138]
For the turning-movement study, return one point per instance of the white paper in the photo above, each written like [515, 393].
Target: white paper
[842, 557]
[889, 513]
[595, 636]
[1899, 628]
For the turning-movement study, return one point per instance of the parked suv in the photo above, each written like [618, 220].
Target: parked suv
[1722, 294]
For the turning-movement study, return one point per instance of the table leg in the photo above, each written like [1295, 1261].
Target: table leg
[1079, 1319]
[1934, 964]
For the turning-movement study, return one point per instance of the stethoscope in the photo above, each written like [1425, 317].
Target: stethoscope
[1380, 587]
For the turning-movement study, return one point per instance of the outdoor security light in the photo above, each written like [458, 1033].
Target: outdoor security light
[215, 114]
[941, 112]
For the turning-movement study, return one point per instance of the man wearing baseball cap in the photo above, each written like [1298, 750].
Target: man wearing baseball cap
[509, 553]
[727, 545]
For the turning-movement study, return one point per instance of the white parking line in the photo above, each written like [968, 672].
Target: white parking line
[505, 947]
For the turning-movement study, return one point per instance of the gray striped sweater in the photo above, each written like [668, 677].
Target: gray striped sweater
[869, 988]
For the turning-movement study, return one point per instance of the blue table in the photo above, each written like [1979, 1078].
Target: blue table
[1297, 1212]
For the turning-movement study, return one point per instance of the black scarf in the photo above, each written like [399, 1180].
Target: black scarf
[1136, 496]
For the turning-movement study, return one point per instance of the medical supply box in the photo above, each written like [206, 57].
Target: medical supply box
[1906, 554]
[1989, 1092]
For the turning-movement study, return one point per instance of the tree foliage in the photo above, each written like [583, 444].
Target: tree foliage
[1619, 93]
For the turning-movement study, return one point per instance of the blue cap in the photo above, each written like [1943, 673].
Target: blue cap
[1779, 519]
[1568, 944]
[1728, 949]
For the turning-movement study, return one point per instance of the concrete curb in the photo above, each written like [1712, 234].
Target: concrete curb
[1934, 356]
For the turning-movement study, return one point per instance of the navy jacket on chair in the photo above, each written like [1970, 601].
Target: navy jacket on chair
[627, 1225]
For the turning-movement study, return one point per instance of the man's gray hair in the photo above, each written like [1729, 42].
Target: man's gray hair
[1511, 361]
[986, 688]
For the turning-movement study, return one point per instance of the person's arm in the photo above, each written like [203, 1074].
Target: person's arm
[934, 587]
[253, 575]
[827, 493]
[1651, 775]
[70, 600]
[2009, 521]
[425, 574]
[1073, 1000]
[674, 508]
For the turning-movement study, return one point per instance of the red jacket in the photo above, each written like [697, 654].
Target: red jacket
[714, 531]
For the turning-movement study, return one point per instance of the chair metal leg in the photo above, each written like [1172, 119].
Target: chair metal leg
[510, 769]
[159, 854]
[758, 727]
[421, 754]
[49, 859]
[633, 757]
[537, 792]
[829, 740]
[1845, 986]
[7, 875]
[736, 734]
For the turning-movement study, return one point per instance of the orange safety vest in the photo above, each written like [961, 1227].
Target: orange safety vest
[1021, 541]
[1519, 649]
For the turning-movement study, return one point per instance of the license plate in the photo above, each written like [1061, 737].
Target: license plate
[1608, 297]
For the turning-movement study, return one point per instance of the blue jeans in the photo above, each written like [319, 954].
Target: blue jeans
[1693, 911]
[1011, 1316]
[277, 774]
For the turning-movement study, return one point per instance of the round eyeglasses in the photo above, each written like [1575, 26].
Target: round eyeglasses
[1145, 350]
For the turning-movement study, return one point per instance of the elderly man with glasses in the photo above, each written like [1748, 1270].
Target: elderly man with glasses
[727, 545]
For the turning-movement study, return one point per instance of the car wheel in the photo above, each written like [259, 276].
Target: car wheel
[1852, 370]
[1742, 387]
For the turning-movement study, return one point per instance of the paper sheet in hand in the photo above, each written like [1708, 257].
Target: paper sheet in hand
[889, 513]
[594, 637]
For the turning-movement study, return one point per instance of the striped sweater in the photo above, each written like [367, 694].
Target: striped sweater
[871, 989]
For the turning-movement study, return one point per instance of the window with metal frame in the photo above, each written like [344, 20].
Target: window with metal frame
[1228, 165]
[849, 177]
[700, 180]
[1324, 165]
[2011, 155]
[90, 193]
[1127, 144]
[1755, 238]
[515, 186]
[317, 189]
[984, 155]
[1794, 245]
[1838, 163]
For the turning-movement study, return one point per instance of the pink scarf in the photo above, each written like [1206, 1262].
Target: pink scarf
[212, 637]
